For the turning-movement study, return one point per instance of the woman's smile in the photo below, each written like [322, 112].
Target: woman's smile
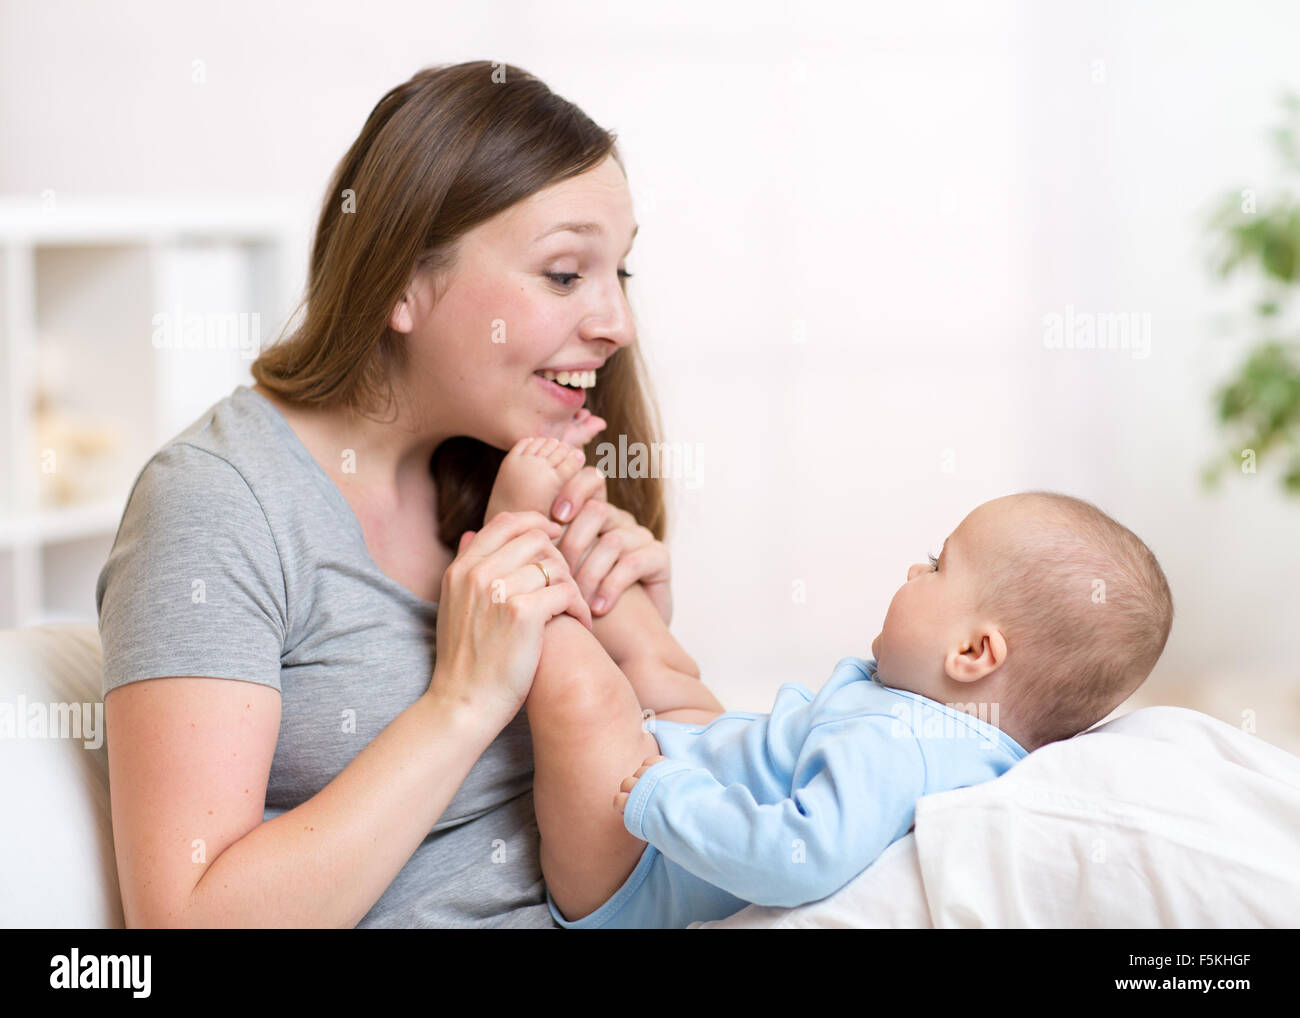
[573, 398]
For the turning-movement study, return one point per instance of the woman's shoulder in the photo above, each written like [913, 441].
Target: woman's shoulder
[194, 536]
[237, 450]
[240, 430]
[205, 499]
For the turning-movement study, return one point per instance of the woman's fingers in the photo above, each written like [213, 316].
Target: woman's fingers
[510, 573]
[600, 560]
[587, 484]
[556, 600]
[592, 519]
[513, 570]
[615, 544]
[608, 551]
[489, 555]
[630, 567]
[505, 527]
[493, 607]
[526, 590]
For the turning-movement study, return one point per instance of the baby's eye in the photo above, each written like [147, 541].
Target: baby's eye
[934, 563]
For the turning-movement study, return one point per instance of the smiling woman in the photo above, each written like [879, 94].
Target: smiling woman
[332, 731]
[463, 187]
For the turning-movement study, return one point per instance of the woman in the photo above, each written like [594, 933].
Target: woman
[302, 756]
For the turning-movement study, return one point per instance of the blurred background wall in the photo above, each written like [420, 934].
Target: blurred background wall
[854, 220]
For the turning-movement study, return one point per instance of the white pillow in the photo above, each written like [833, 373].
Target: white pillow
[1164, 817]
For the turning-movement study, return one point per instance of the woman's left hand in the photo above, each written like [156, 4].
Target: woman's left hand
[606, 549]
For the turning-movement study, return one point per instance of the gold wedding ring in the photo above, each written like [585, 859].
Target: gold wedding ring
[544, 572]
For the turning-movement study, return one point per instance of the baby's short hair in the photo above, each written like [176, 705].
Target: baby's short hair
[1086, 598]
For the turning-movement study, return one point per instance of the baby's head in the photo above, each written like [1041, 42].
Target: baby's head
[1040, 604]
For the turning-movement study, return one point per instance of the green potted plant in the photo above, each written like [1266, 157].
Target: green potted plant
[1259, 406]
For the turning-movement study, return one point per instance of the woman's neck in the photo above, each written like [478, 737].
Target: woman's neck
[381, 456]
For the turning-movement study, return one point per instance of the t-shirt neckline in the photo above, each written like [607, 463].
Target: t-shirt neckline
[341, 504]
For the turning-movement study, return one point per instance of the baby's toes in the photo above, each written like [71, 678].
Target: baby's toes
[567, 460]
[526, 446]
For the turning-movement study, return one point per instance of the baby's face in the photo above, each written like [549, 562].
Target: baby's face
[933, 615]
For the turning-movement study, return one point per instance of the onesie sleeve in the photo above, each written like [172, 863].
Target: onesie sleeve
[193, 584]
[856, 793]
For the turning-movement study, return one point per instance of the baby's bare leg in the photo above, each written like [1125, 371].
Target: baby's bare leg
[664, 677]
[587, 737]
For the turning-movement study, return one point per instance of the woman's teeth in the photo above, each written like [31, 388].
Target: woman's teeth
[580, 379]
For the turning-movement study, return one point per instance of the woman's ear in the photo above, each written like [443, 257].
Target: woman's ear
[401, 320]
[419, 288]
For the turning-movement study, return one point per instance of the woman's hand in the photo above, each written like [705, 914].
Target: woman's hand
[622, 552]
[607, 549]
[493, 607]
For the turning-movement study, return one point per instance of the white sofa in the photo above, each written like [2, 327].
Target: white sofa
[1162, 818]
[57, 868]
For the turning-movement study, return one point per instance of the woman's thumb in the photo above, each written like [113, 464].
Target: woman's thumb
[465, 538]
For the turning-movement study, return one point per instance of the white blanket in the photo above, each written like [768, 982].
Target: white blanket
[1164, 817]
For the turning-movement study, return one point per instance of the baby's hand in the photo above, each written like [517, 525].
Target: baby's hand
[620, 800]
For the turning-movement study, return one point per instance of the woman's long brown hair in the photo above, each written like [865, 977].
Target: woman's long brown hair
[439, 154]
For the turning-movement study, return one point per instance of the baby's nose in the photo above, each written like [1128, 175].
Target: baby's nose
[915, 570]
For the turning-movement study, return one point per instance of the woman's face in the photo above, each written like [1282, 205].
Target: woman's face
[537, 287]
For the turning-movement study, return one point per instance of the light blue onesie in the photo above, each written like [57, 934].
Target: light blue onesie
[785, 808]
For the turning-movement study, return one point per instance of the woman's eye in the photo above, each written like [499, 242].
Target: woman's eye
[934, 563]
[565, 279]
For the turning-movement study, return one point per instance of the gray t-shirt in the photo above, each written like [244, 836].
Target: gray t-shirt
[238, 557]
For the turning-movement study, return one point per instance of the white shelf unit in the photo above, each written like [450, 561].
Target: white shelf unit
[121, 321]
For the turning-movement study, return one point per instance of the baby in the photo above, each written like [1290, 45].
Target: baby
[1040, 616]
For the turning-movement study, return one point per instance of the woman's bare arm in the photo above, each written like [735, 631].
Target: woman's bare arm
[189, 760]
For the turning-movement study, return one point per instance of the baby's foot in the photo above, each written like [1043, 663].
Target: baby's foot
[532, 474]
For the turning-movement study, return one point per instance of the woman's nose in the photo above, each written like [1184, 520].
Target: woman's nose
[612, 320]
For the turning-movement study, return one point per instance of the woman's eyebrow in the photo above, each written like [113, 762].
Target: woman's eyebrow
[579, 227]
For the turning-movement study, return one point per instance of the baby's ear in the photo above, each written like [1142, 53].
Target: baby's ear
[981, 655]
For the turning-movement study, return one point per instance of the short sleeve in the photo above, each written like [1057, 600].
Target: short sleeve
[194, 584]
